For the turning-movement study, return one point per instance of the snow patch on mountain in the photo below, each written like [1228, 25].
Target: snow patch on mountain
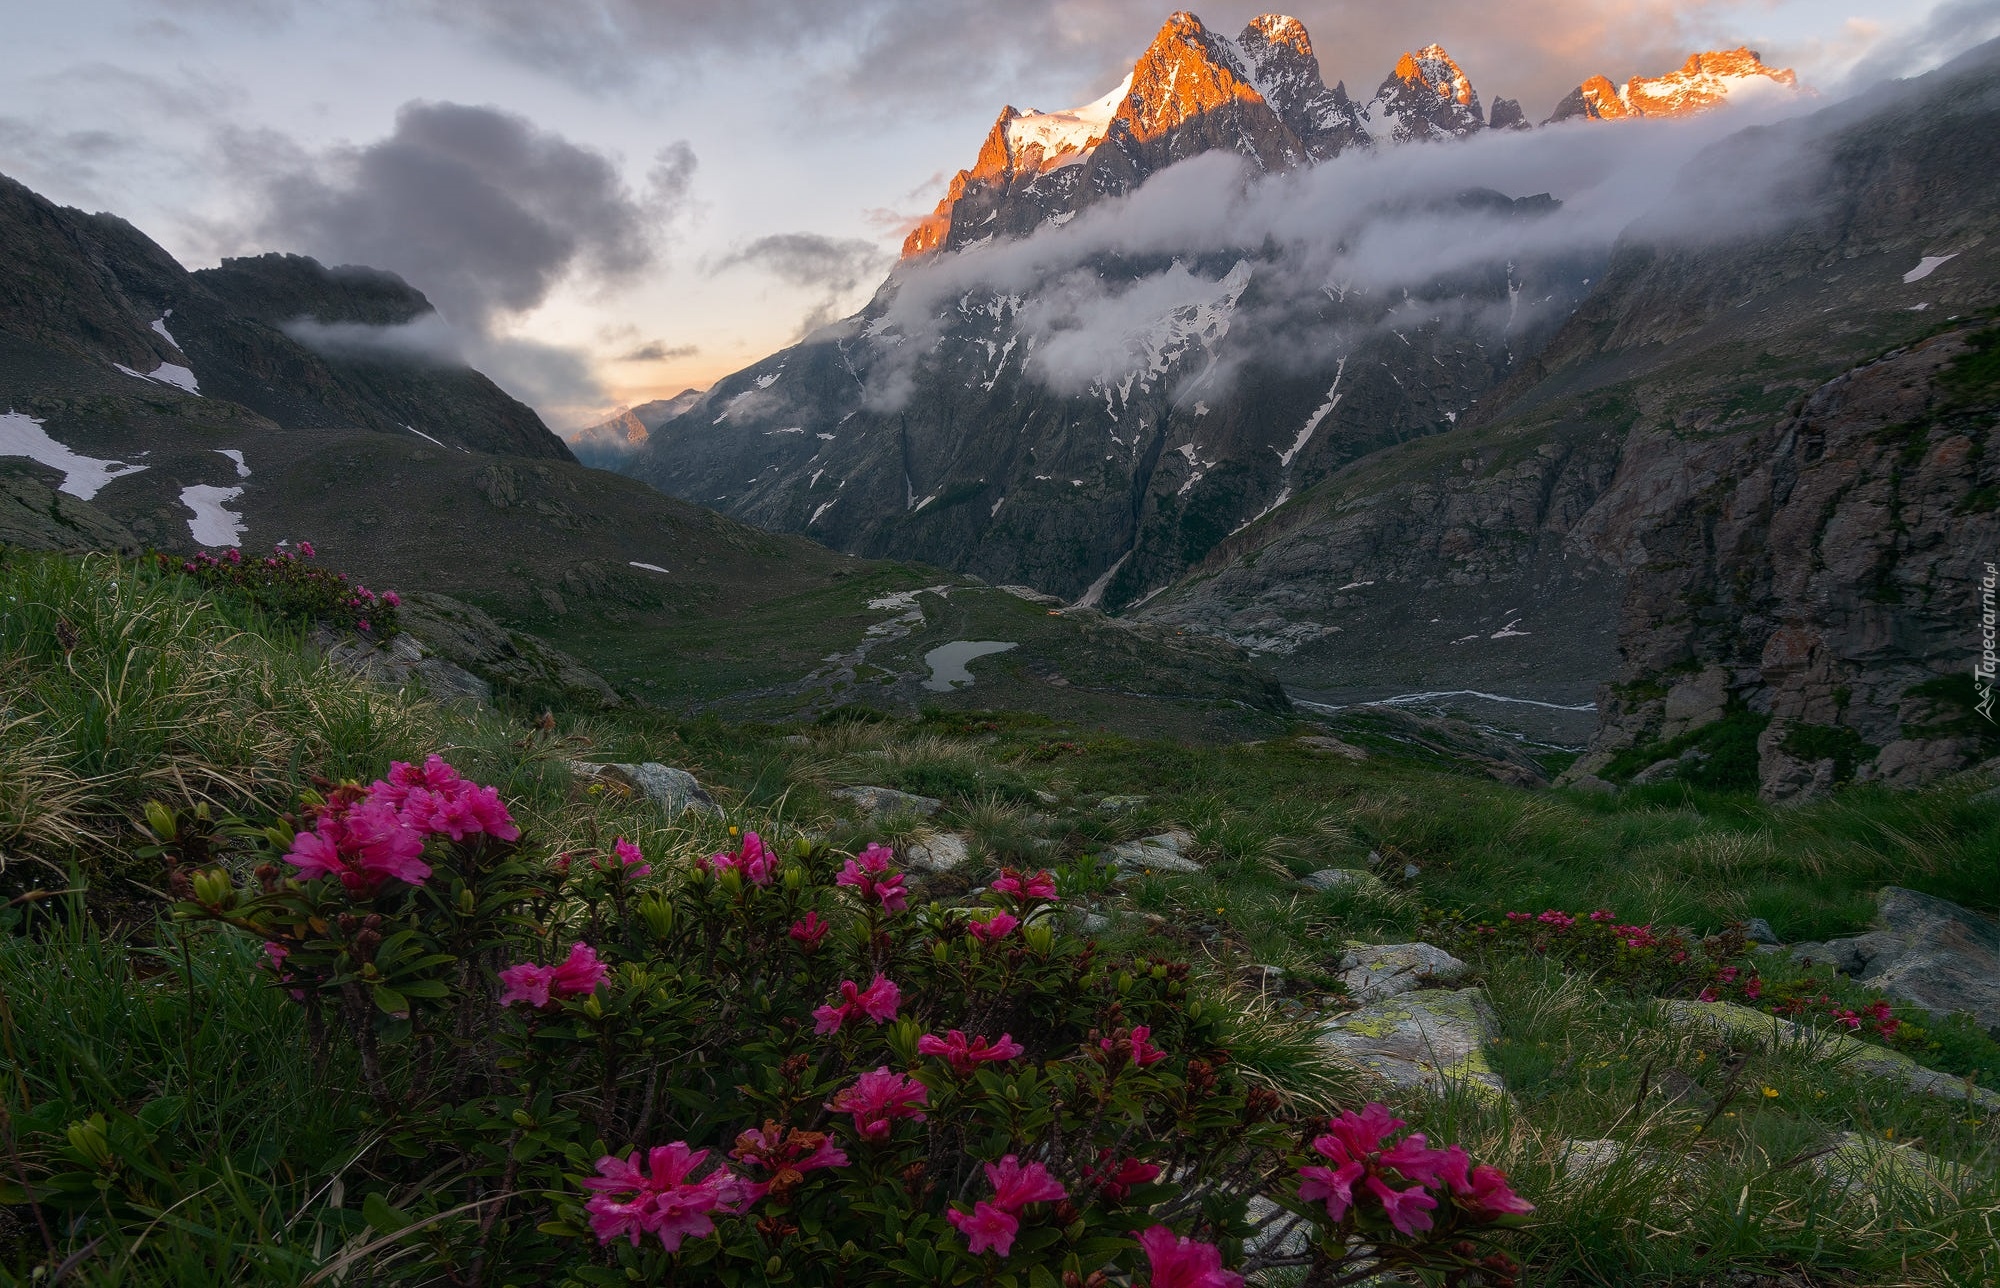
[83, 476]
[167, 373]
[214, 524]
[1065, 137]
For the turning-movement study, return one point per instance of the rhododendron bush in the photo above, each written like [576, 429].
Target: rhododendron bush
[780, 1064]
[286, 584]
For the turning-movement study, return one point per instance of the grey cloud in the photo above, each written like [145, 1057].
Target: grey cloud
[1384, 223]
[426, 339]
[1952, 28]
[655, 351]
[833, 265]
[810, 259]
[481, 210]
[971, 53]
[478, 207]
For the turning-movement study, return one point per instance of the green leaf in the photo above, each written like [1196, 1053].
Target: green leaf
[380, 1216]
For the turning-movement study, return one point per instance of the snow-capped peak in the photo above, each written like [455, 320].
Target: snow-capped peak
[1704, 81]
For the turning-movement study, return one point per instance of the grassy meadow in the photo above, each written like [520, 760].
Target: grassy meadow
[121, 686]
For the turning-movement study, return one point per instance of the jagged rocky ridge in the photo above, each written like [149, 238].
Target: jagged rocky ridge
[949, 433]
[1106, 487]
[1749, 482]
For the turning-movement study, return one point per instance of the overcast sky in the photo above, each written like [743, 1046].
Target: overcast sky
[614, 199]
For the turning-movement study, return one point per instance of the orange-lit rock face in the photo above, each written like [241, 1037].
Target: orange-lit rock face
[1277, 29]
[1704, 81]
[1182, 75]
[1433, 68]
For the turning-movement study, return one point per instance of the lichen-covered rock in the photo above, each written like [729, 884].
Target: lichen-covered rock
[1741, 1024]
[1373, 972]
[471, 640]
[1863, 1164]
[1928, 951]
[939, 853]
[673, 790]
[1433, 1038]
[399, 661]
[1162, 853]
[1354, 880]
[1333, 747]
[880, 802]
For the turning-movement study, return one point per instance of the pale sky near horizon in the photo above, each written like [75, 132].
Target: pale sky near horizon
[697, 180]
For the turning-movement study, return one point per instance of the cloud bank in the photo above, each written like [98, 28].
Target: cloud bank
[1410, 224]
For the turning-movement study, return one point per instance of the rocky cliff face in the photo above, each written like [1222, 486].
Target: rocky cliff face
[609, 442]
[1427, 97]
[1749, 485]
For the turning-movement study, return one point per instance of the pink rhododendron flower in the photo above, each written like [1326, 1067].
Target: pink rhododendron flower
[966, 1055]
[878, 1002]
[986, 1228]
[1408, 1210]
[1025, 887]
[878, 1099]
[809, 930]
[753, 859]
[470, 811]
[1334, 1185]
[392, 599]
[1487, 1195]
[665, 1203]
[993, 929]
[784, 1155]
[1118, 1177]
[306, 549]
[632, 864]
[578, 974]
[1432, 1168]
[1138, 1046]
[364, 844]
[528, 983]
[868, 876]
[1176, 1262]
[1015, 1185]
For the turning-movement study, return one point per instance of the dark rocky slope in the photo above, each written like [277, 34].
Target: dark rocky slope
[1752, 477]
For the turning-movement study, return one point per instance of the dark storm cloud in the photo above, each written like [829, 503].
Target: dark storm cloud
[481, 210]
[478, 207]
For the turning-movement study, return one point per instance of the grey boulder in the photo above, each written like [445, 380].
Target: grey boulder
[673, 790]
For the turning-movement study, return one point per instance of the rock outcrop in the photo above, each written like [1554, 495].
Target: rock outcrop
[1926, 951]
[1704, 81]
[1434, 1038]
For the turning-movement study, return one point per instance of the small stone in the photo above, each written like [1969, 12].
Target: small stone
[795, 740]
[673, 790]
[879, 802]
[939, 853]
[1046, 798]
[1758, 931]
[1373, 972]
[1285, 1235]
[1595, 785]
[1411, 872]
[1113, 804]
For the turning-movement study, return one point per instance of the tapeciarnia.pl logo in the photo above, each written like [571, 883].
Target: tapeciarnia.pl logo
[1983, 669]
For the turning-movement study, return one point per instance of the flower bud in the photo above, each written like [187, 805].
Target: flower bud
[160, 821]
[87, 1138]
[658, 914]
[1039, 938]
[802, 847]
[215, 888]
[794, 879]
[731, 881]
[466, 903]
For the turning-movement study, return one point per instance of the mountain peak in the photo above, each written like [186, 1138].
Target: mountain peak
[1187, 71]
[1705, 80]
[1427, 96]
